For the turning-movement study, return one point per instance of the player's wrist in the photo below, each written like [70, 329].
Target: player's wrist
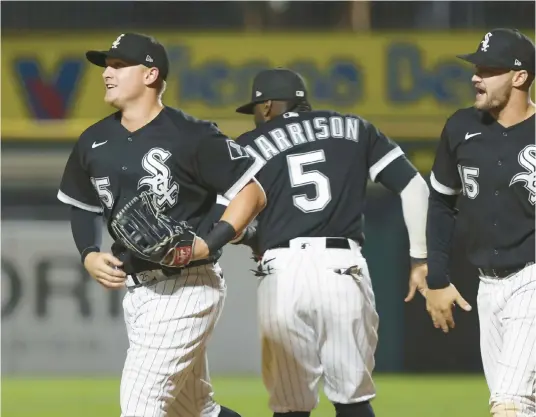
[87, 251]
[437, 282]
[222, 233]
[201, 250]
[417, 261]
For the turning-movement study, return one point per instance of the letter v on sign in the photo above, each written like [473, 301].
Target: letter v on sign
[49, 96]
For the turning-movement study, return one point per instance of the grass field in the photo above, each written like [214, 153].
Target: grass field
[398, 396]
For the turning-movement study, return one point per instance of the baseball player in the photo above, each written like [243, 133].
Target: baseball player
[316, 305]
[183, 163]
[486, 166]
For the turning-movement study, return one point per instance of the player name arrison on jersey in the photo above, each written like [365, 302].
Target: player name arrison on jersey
[281, 139]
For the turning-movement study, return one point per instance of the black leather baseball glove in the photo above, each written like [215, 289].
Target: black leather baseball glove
[152, 235]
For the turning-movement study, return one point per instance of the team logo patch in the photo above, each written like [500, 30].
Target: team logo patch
[160, 181]
[527, 159]
[236, 151]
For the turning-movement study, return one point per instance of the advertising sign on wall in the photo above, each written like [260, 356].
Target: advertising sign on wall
[408, 83]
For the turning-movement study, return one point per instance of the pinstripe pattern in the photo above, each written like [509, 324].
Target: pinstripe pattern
[168, 325]
[316, 324]
[507, 314]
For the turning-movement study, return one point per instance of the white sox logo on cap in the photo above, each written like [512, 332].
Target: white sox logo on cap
[116, 43]
[485, 42]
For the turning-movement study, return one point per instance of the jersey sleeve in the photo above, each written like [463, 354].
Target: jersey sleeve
[76, 188]
[213, 216]
[444, 177]
[223, 165]
[381, 151]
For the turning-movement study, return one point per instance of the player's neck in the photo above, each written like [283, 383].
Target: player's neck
[516, 111]
[139, 114]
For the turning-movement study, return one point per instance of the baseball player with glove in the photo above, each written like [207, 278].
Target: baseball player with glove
[485, 169]
[154, 174]
[317, 313]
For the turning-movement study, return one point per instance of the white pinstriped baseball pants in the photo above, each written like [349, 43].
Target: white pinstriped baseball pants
[168, 325]
[316, 324]
[507, 314]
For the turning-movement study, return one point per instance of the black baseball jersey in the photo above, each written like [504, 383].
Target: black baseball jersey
[317, 165]
[494, 170]
[184, 162]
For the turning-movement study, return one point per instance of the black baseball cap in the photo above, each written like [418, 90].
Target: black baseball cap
[275, 84]
[135, 48]
[503, 48]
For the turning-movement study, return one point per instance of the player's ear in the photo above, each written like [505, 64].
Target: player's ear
[519, 78]
[267, 107]
[151, 75]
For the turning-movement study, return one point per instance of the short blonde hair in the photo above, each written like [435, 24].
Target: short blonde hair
[162, 87]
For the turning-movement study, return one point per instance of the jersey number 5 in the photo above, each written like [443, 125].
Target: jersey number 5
[299, 178]
[468, 176]
[101, 186]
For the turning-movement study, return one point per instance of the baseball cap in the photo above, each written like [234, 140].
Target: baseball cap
[274, 84]
[136, 48]
[503, 48]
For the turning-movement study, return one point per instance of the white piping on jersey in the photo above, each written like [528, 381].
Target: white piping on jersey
[385, 160]
[440, 188]
[262, 188]
[222, 200]
[244, 179]
[64, 198]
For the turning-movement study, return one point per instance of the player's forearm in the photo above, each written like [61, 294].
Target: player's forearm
[401, 177]
[86, 227]
[414, 208]
[240, 212]
[439, 230]
[247, 204]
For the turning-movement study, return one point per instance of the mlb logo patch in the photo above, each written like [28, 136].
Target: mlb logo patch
[236, 151]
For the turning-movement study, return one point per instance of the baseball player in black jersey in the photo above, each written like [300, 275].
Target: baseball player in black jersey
[183, 163]
[485, 168]
[317, 311]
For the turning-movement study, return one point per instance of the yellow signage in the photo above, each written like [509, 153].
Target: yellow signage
[407, 84]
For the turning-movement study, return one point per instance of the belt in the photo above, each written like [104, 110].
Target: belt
[331, 243]
[502, 272]
[140, 279]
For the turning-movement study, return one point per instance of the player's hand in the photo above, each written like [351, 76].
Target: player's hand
[439, 304]
[417, 281]
[103, 267]
[200, 250]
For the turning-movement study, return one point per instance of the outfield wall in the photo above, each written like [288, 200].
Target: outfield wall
[56, 320]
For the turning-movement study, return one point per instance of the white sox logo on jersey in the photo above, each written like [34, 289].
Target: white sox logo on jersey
[527, 159]
[160, 181]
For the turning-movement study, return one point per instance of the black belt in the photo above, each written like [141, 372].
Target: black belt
[502, 272]
[174, 272]
[331, 243]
